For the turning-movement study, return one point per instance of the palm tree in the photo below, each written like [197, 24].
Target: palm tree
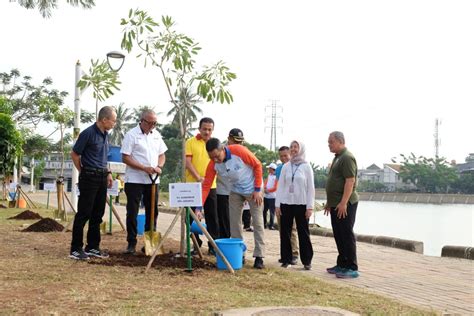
[46, 6]
[186, 102]
[124, 116]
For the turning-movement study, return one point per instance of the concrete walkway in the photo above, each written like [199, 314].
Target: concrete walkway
[443, 284]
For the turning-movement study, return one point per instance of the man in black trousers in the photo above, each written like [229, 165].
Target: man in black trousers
[89, 156]
[342, 201]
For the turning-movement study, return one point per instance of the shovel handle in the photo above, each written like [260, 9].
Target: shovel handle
[152, 206]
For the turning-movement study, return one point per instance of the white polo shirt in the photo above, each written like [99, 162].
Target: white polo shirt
[144, 148]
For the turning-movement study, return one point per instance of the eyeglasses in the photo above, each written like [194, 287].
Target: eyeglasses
[150, 123]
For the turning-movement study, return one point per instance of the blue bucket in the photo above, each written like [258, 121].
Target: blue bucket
[114, 154]
[233, 249]
[140, 224]
[196, 229]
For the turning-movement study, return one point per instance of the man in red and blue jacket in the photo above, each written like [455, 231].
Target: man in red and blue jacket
[240, 167]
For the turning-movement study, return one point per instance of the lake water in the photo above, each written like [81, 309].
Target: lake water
[435, 225]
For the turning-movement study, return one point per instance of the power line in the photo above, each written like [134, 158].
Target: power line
[274, 110]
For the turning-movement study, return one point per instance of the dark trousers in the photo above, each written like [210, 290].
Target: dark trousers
[90, 207]
[345, 238]
[135, 192]
[290, 213]
[210, 215]
[268, 205]
[246, 218]
[223, 215]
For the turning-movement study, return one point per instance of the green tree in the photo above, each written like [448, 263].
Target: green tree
[28, 104]
[465, 183]
[433, 175]
[10, 144]
[124, 116]
[320, 175]
[173, 54]
[188, 105]
[103, 81]
[46, 7]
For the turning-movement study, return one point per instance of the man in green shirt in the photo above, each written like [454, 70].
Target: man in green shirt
[342, 201]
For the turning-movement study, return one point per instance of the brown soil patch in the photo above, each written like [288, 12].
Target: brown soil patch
[167, 260]
[27, 215]
[45, 225]
[2, 206]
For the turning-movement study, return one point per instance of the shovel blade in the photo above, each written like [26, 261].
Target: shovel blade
[152, 239]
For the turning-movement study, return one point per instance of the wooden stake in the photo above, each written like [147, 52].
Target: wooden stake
[117, 216]
[196, 245]
[155, 252]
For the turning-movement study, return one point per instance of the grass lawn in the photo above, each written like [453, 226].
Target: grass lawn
[38, 278]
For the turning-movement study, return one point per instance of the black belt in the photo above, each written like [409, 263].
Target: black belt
[95, 170]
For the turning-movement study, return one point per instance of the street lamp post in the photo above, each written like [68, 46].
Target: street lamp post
[113, 58]
[77, 119]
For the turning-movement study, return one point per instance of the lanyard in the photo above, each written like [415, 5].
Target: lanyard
[294, 172]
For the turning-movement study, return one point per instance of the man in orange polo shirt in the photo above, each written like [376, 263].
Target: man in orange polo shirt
[197, 160]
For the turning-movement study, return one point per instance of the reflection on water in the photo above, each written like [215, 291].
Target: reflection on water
[435, 225]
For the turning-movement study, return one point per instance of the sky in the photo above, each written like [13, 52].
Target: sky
[379, 71]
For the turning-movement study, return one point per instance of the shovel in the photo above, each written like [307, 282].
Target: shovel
[152, 238]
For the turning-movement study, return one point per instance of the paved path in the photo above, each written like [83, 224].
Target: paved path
[443, 284]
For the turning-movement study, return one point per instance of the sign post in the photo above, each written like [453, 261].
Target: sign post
[186, 195]
[113, 191]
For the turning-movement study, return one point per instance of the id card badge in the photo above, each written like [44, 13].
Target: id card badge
[292, 188]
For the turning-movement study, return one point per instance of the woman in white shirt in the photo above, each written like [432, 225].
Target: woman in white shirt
[294, 201]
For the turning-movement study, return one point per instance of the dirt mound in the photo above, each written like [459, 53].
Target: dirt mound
[2, 206]
[168, 260]
[27, 215]
[45, 225]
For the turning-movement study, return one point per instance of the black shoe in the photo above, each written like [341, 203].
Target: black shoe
[78, 255]
[249, 229]
[97, 253]
[258, 264]
[307, 267]
[130, 250]
[285, 265]
[280, 260]
[294, 260]
[211, 252]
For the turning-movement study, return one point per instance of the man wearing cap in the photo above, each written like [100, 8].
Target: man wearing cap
[243, 171]
[270, 186]
[236, 136]
[197, 160]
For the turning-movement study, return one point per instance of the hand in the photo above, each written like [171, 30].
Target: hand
[110, 181]
[341, 209]
[149, 170]
[257, 198]
[308, 213]
[327, 209]
[198, 214]
[157, 170]
[200, 179]
[277, 211]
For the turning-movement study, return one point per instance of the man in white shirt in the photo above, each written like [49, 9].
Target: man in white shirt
[143, 151]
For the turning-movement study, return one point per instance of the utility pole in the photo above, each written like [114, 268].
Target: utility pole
[274, 110]
[77, 120]
[437, 139]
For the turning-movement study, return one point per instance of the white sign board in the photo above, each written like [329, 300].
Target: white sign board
[114, 191]
[49, 187]
[185, 194]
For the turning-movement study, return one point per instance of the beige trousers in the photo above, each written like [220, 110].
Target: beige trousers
[236, 203]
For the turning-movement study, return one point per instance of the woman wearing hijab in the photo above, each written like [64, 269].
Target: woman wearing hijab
[294, 201]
